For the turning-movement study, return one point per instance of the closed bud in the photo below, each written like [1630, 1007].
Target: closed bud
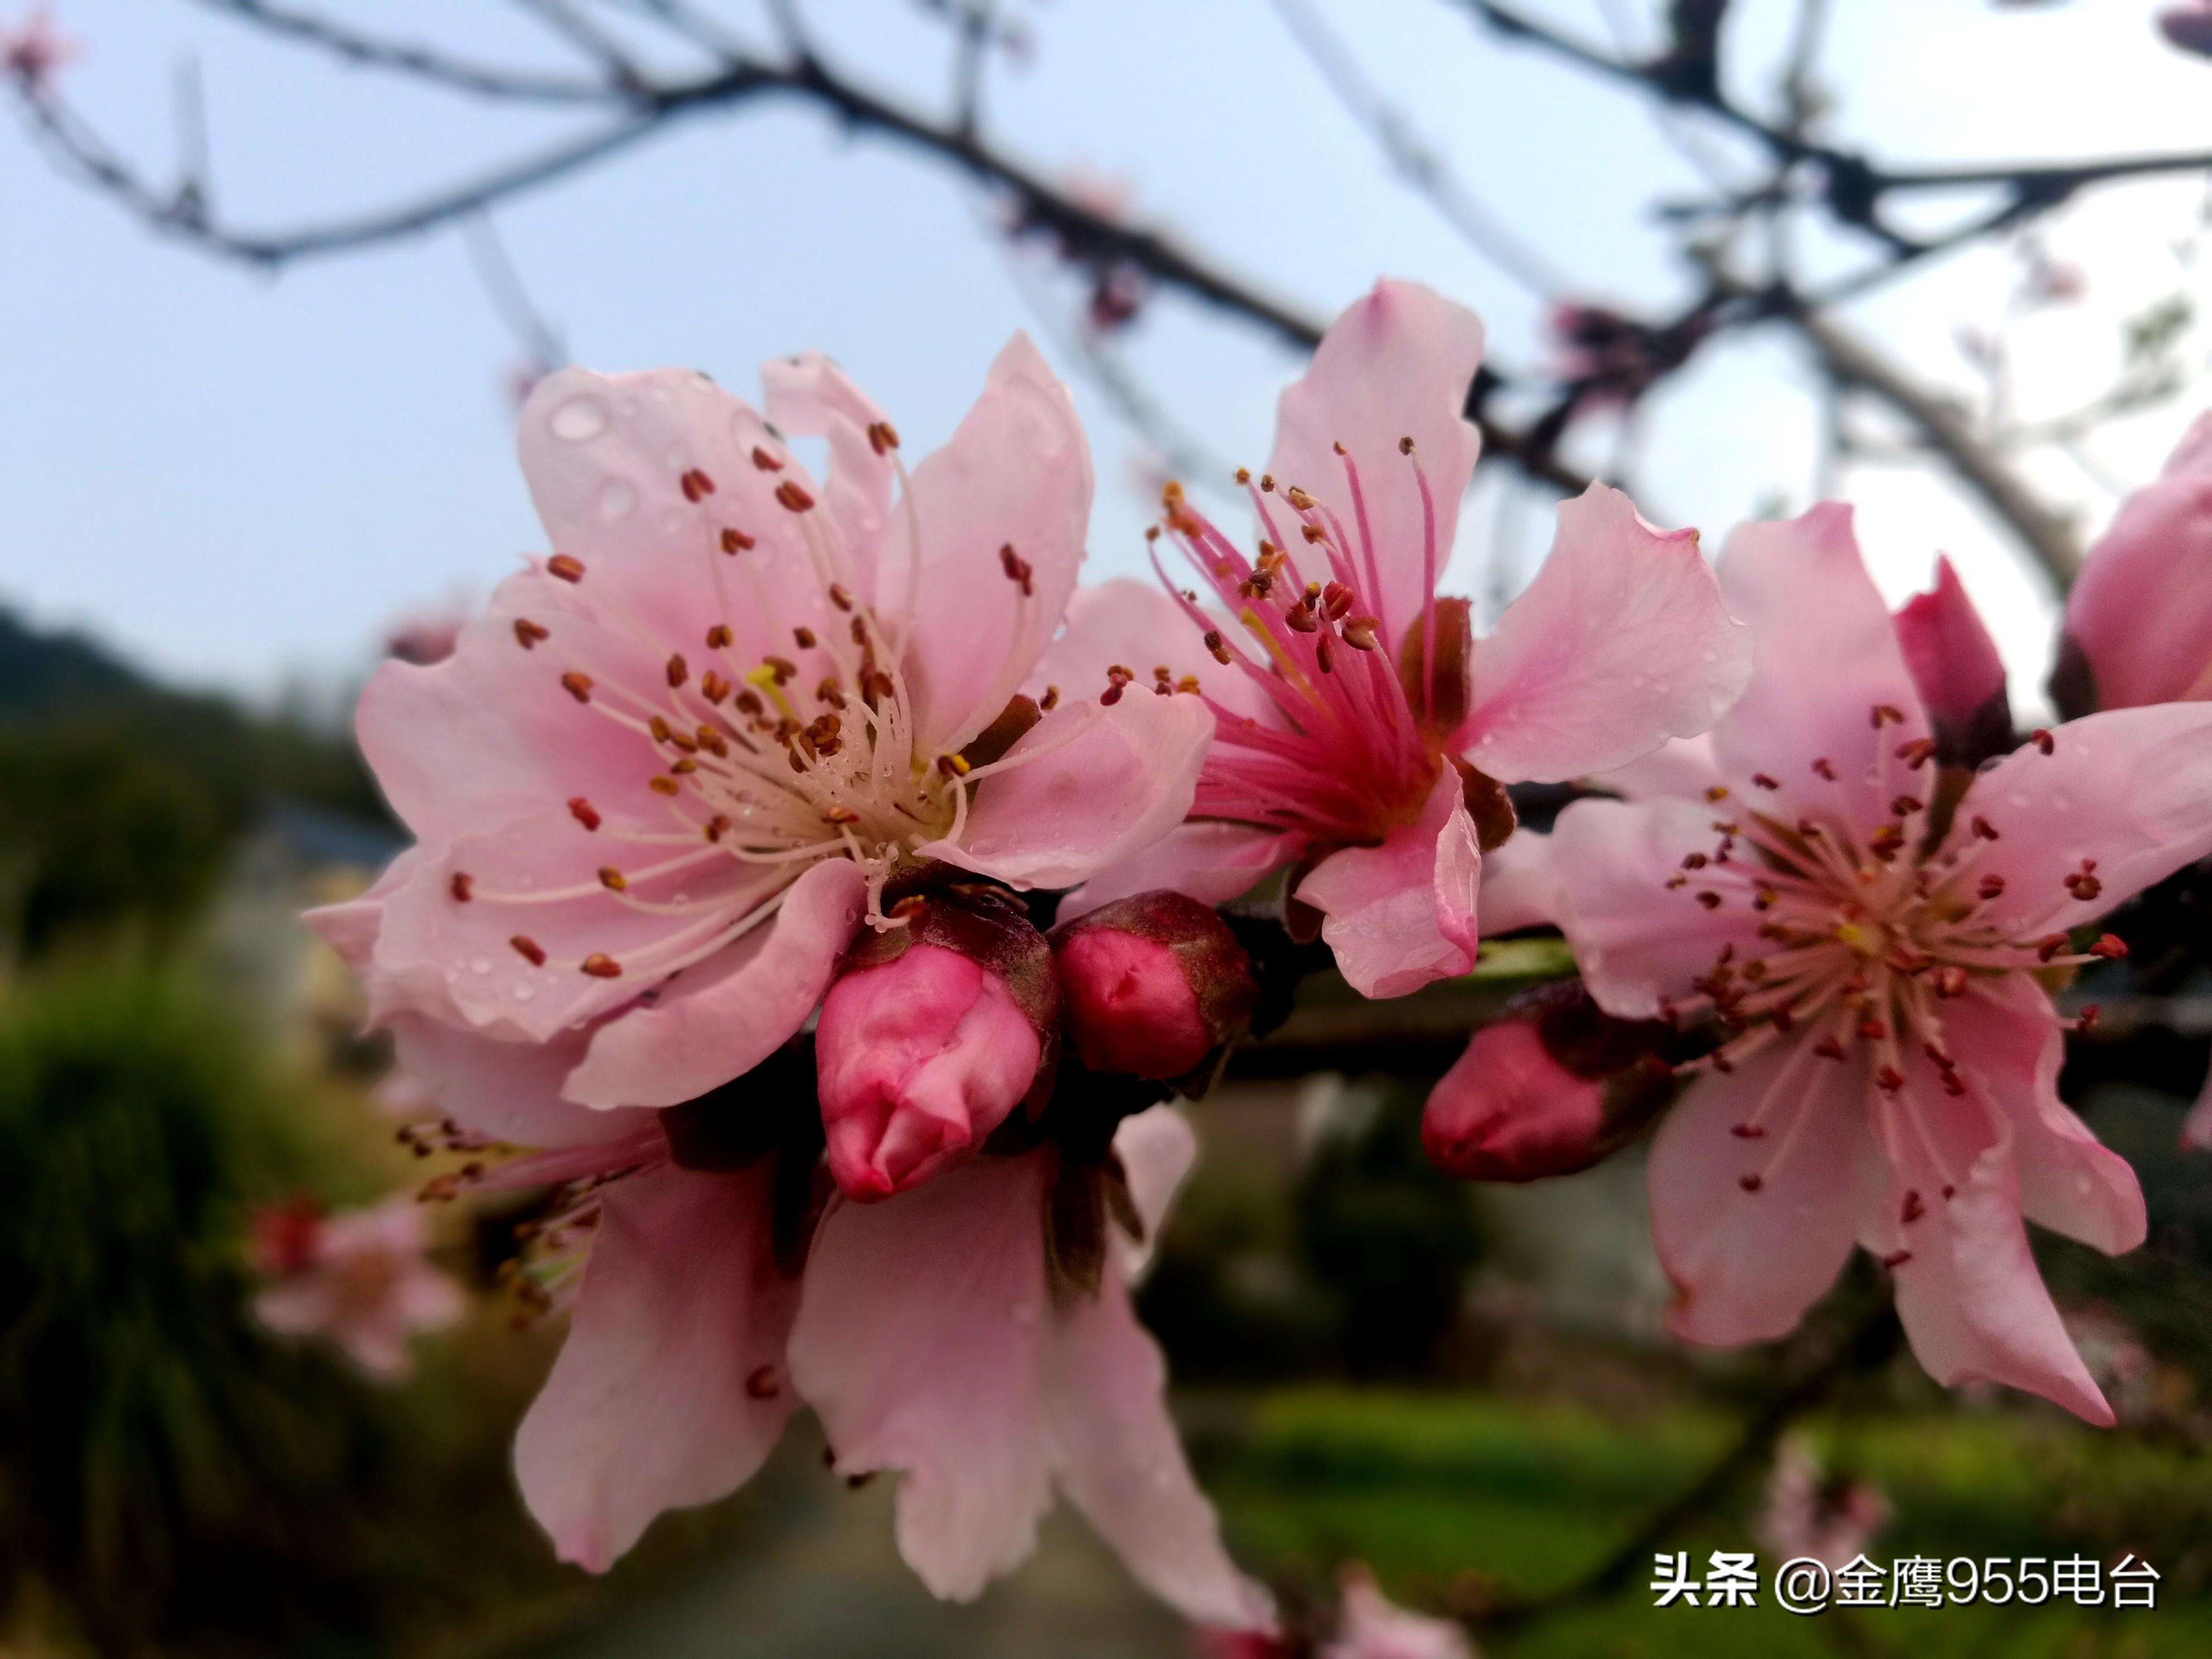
[933, 1032]
[2139, 619]
[1553, 1087]
[1956, 669]
[1154, 985]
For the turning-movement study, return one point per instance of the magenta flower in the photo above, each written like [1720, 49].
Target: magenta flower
[657, 787]
[357, 1278]
[2139, 619]
[1362, 733]
[1877, 958]
[1808, 1515]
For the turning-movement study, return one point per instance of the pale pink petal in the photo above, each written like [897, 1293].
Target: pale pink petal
[2005, 1031]
[607, 457]
[920, 1344]
[2196, 1127]
[1401, 915]
[808, 395]
[2141, 610]
[1396, 364]
[1825, 657]
[1520, 888]
[1373, 1628]
[1211, 862]
[1118, 1457]
[2130, 788]
[1089, 786]
[1135, 625]
[1157, 1148]
[1683, 768]
[1968, 1291]
[509, 1091]
[706, 1030]
[538, 878]
[1016, 474]
[672, 1387]
[1620, 642]
[1638, 941]
[1747, 1260]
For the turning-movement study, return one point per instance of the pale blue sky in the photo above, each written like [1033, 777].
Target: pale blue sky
[241, 480]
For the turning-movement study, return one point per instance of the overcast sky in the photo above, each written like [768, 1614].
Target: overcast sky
[243, 481]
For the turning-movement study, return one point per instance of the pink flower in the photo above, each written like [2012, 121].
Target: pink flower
[358, 1278]
[657, 787]
[924, 1047]
[1154, 985]
[1372, 1628]
[1362, 736]
[33, 49]
[1551, 1088]
[1956, 669]
[1877, 968]
[2139, 619]
[1807, 1515]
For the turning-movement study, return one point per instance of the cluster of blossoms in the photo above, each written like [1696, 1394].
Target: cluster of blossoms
[822, 884]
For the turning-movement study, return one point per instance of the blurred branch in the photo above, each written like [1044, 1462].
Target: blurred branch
[422, 63]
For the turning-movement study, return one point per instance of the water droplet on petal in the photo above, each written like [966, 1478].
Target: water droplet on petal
[617, 499]
[480, 965]
[579, 419]
[524, 990]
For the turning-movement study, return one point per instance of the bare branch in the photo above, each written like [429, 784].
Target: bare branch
[422, 63]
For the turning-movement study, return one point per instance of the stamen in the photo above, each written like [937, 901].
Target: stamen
[527, 633]
[567, 569]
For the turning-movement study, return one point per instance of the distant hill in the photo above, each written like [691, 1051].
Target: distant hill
[59, 683]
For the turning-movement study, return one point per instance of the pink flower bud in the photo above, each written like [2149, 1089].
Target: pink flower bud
[1955, 666]
[917, 1061]
[1153, 984]
[1551, 1088]
[2139, 620]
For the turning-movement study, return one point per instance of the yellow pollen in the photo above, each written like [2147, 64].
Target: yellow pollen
[1250, 618]
[1855, 937]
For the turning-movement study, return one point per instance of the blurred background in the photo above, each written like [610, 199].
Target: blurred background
[276, 277]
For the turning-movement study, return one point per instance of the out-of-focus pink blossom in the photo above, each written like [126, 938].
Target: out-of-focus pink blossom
[1361, 737]
[2189, 27]
[1955, 667]
[1888, 1076]
[2139, 619]
[658, 785]
[2116, 1357]
[1808, 1515]
[31, 51]
[921, 1057]
[357, 1278]
[425, 637]
[1371, 1627]
[1154, 985]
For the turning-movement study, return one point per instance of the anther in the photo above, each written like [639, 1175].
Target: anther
[2043, 742]
[1710, 899]
[1313, 532]
[1405, 445]
[583, 811]
[1917, 753]
[764, 461]
[1764, 781]
[2109, 947]
[612, 879]
[661, 786]
[696, 485]
[1889, 1079]
[2049, 946]
[462, 887]
[1992, 886]
[1215, 647]
[1267, 481]
[792, 497]
[678, 671]
[2087, 1019]
[577, 685]
[599, 965]
[883, 437]
[717, 827]
[1019, 570]
[1051, 700]
[567, 569]
[1887, 714]
[1896, 1259]
[1982, 830]
[1298, 498]
[1750, 1184]
[1913, 1209]
[1244, 475]
[1950, 980]
[1747, 1132]
[528, 633]
[952, 766]
[1694, 861]
[839, 814]
[1716, 792]
[1828, 1048]
[1359, 633]
[761, 1383]
[2083, 885]
[1825, 768]
[719, 637]
[839, 596]
[1873, 1028]
[713, 686]
[529, 950]
[735, 542]
[1905, 805]
[1324, 656]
